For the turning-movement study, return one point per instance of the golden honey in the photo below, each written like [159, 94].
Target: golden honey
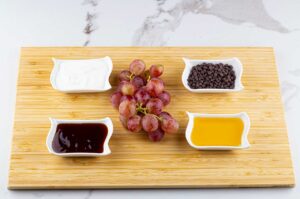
[217, 131]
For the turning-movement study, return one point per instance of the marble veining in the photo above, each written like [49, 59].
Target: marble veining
[89, 194]
[290, 92]
[248, 22]
[169, 14]
[91, 17]
[244, 11]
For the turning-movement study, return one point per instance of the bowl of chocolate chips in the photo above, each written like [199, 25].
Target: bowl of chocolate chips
[212, 76]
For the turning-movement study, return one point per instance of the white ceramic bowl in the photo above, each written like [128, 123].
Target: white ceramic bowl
[244, 140]
[237, 67]
[92, 68]
[54, 122]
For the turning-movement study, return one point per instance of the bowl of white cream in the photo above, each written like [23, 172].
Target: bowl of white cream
[82, 75]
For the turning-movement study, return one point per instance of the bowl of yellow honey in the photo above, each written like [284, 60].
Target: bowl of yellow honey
[218, 131]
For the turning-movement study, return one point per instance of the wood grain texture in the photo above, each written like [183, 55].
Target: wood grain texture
[136, 162]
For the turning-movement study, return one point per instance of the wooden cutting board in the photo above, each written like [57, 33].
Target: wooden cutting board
[136, 162]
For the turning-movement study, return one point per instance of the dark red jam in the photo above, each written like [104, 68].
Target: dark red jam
[79, 138]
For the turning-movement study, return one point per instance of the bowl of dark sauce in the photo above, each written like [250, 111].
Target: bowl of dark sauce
[80, 138]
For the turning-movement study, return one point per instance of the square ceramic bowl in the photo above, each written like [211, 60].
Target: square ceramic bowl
[82, 75]
[54, 122]
[237, 67]
[244, 137]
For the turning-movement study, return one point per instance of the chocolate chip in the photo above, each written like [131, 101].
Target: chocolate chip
[208, 75]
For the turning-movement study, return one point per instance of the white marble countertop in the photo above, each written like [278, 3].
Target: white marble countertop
[151, 23]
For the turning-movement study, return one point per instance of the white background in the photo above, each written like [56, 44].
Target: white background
[141, 22]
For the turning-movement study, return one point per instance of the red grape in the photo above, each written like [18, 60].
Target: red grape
[169, 125]
[127, 97]
[155, 86]
[115, 99]
[137, 66]
[156, 70]
[127, 108]
[138, 82]
[154, 105]
[121, 85]
[124, 75]
[146, 75]
[142, 96]
[134, 123]
[123, 120]
[149, 123]
[127, 88]
[165, 97]
[156, 135]
[165, 115]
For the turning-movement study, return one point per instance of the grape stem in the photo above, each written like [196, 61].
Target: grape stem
[141, 109]
[145, 111]
[159, 118]
[131, 76]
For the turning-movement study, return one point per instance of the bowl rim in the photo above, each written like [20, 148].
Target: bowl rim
[55, 70]
[244, 137]
[234, 61]
[54, 122]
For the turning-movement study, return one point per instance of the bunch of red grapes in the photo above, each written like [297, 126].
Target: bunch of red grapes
[140, 98]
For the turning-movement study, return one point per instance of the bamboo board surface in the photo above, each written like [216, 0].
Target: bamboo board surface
[136, 162]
